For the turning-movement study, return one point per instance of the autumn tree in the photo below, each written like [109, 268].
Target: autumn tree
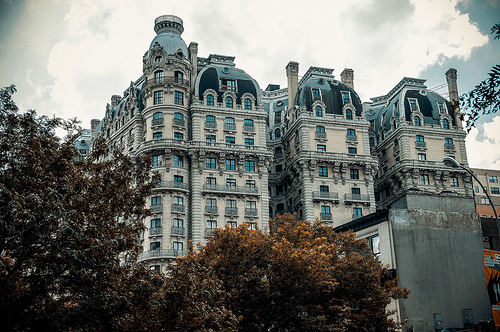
[298, 277]
[484, 99]
[69, 229]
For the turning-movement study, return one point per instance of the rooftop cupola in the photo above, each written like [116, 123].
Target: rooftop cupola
[168, 23]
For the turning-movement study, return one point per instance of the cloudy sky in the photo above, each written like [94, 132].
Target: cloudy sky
[68, 57]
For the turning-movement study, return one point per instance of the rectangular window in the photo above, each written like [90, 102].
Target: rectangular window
[212, 181]
[211, 224]
[248, 122]
[230, 182]
[485, 201]
[325, 209]
[374, 242]
[453, 181]
[179, 136]
[422, 156]
[227, 85]
[178, 98]
[357, 212]
[131, 132]
[476, 189]
[178, 178]
[230, 164]
[178, 200]
[495, 190]
[354, 174]
[178, 246]
[232, 223]
[250, 183]
[249, 141]
[231, 203]
[413, 105]
[322, 171]
[345, 98]
[211, 202]
[419, 138]
[441, 107]
[315, 94]
[352, 150]
[211, 138]
[323, 189]
[249, 166]
[154, 245]
[356, 191]
[155, 200]
[351, 132]
[155, 222]
[210, 162]
[321, 147]
[156, 161]
[158, 97]
[251, 204]
[278, 168]
[179, 116]
[230, 140]
[277, 117]
[178, 222]
[157, 135]
[178, 161]
[210, 118]
[424, 179]
[493, 179]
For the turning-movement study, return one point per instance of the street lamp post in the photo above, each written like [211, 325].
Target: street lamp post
[451, 161]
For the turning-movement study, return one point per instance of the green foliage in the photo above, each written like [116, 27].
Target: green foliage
[484, 99]
[299, 277]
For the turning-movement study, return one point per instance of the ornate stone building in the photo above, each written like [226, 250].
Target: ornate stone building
[229, 152]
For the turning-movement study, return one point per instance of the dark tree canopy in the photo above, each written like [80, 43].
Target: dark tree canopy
[484, 99]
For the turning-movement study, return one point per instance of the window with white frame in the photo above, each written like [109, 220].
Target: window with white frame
[453, 181]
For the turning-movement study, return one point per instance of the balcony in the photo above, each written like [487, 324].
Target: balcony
[157, 122]
[357, 198]
[326, 216]
[178, 208]
[230, 126]
[449, 146]
[231, 211]
[420, 144]
[172, 185]
[352, 138]
[210, 125]
[325, 196]
[320, 135]
[179, 123]
[177, 230]
[356, 216]
[251, 212]
[156, 208]
[211, 210]
[230, 189]
[161, 253]
[250, 129]
[155, 230]
[166, 80]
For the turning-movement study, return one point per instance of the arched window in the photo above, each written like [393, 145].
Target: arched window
[159, 76]
[277, 133]
[229, 102]
[416, 120]
[210, 100]
[348, 114]
[179, 116]
[446, 124]
[248, 104]
[319, 111]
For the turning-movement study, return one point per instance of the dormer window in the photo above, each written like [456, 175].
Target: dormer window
[446, 124]
[416, 121]
[227, 85]
[346, 98]
[441, 107]
[413, 105]
[319, 111]
[348, 114]
[248, 104]
[315, 94]
[210, 100]
[229, 102]
[158, 59]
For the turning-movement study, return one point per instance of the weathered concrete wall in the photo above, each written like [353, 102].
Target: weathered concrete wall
[439, 258]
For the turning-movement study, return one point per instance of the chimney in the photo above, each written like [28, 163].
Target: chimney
[93, 125]
[451, 79]
[193, 53]
[347, 77]
[115, 99]
[292, 74]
